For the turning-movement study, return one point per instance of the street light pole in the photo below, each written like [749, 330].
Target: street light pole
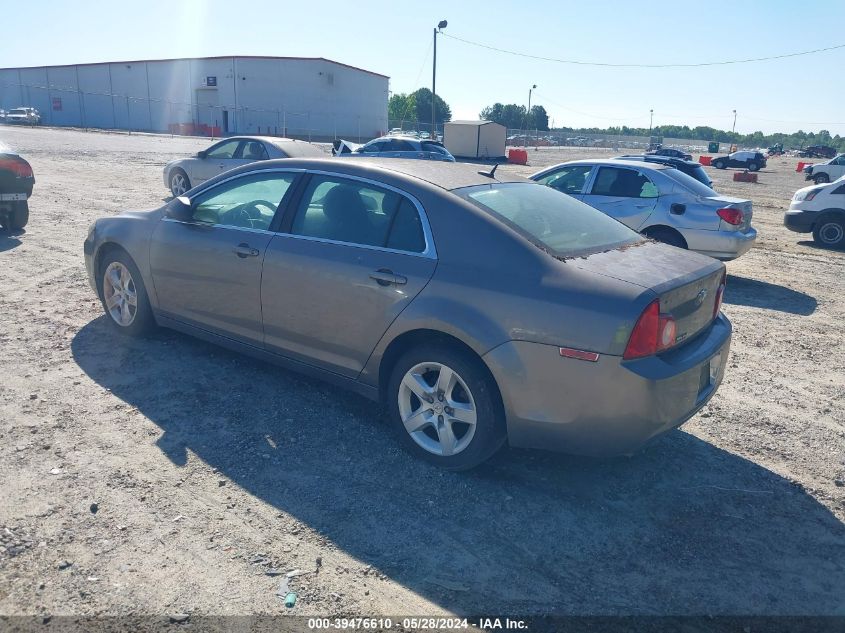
[650, 121]
[440, 25]
[733, 130]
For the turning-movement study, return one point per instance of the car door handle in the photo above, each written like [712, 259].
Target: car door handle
[385, 277]
[245, 250]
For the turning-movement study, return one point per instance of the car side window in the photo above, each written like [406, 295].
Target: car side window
[249, 202]
[406, 234]
[623, 183]
[354, 212]
[371, 148]
[568, 179]
[254, 150]
[399, 145]
[226, 149]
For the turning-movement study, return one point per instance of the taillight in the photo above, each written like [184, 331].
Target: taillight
[19, 167]
[730, 215]
[720, 293]
[654, 332]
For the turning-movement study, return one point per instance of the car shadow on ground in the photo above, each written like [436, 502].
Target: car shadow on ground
[817, 246]
[682, 527]
[762, 294]
[9, 239]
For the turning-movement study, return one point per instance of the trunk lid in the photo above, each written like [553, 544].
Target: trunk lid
[685, 282]
[722, 202]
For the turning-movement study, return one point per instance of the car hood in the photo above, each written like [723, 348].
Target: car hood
[811, 188]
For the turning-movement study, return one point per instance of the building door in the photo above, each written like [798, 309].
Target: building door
[207, 110]
[225, 121]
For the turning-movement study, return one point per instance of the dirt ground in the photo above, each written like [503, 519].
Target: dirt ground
[167, 476]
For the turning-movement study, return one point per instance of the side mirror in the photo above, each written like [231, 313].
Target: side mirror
[202, 154]
[179, 209]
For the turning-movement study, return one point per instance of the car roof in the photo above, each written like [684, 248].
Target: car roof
[290, 146]
[613, 162]
[665, 160]
[446, 175]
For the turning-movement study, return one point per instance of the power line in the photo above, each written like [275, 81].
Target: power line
[611, 65]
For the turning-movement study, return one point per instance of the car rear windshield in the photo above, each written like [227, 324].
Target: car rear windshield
[553, 220]
[430, 146]
[688, 182]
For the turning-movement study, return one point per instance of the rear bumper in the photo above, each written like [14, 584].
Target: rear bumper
[724, 245]
[610, 406]
[800, 221]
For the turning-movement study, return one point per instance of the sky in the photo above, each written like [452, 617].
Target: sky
[395, 39]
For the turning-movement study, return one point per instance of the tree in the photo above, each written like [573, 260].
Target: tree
[538, 119]
[401, 108]
[422, 101]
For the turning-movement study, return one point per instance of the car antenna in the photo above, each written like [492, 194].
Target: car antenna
[491, 173]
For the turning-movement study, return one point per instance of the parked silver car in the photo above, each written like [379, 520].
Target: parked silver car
[395, 146]
[183, 174]
[480, 308]
[660, 202]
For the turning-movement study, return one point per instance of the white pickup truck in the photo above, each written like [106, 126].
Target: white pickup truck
[829, 171]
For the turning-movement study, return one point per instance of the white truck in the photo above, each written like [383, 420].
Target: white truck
[24, 116]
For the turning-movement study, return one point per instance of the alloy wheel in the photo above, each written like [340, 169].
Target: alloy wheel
[178, 184]
[437, 409]
[120, 294]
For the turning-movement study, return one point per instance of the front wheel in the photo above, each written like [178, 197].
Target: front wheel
[124, 296]
[821, 179]
[445, 407]
[719, 164]
[179, 183]
[830, 233]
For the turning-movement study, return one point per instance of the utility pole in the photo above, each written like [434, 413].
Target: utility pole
[650, 121]
[733, 130]
[440, 26]
[528, 113]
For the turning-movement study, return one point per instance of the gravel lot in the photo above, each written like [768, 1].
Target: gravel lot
[168, 476]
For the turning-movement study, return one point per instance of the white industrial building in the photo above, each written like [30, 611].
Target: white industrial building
[287, 96]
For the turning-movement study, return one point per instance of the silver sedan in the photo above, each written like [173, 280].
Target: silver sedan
[660, 202]
[183, 174]
[479, 307]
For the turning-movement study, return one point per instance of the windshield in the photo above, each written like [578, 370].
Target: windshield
[688, 182]
[551, 219]
[17, 111]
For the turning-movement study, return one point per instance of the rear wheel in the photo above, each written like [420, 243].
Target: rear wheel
[830, 232]
[17, 217]
[821, 179]
[666, 235]
[179, 183]
[753, 166]
[123, 294]
[445, 407]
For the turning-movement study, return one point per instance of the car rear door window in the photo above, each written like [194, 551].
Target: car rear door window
[398, 145]
[569, 179]
[249, 202]
[623, 183]
[354, 212]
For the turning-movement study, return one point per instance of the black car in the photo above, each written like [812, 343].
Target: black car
[16, 182]
[691, 168]
[671, 152]
[752, 161]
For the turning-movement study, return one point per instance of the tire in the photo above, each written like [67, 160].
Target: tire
[821, 179]
[667, 236]
[18, 217]
[719, 164]
[830, 232]
[753, 166]
[452, 445]
[179, 182]
[132, 322]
